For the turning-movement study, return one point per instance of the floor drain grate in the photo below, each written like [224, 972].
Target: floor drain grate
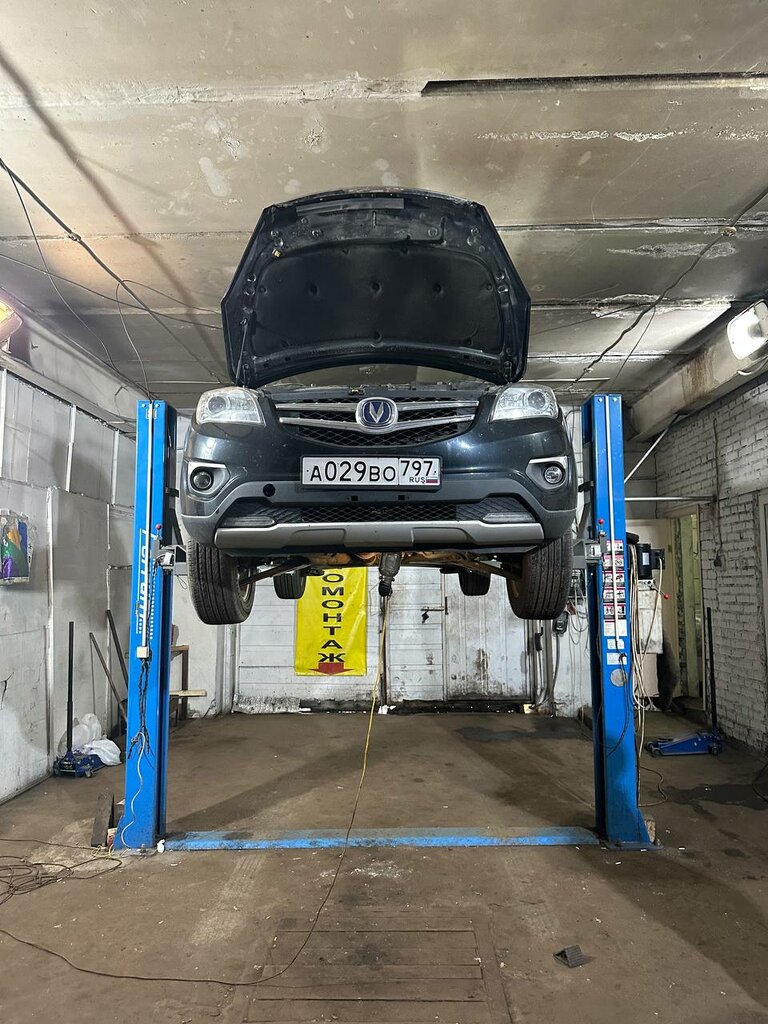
[383, 967]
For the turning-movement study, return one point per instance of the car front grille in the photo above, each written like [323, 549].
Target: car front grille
[255, 513]
[421, 420]
[354, 439]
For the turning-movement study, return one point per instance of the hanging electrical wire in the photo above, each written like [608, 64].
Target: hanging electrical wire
[19, 304]
[47, 272]
[19, 183]
[633, 349]
[727, 230]
[130, 342]
[596, 315]
[110, 298]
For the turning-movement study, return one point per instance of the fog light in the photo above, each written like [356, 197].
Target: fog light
[554, 474]
[202, 480]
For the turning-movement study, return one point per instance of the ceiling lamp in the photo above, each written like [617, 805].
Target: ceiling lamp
[748, 332]
[10, 321]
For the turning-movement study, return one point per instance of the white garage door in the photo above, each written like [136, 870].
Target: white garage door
[441, 645]
[266, 680]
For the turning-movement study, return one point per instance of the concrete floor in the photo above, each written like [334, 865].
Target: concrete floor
[676, 936]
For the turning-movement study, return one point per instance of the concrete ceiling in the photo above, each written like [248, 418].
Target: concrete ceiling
[610, 142]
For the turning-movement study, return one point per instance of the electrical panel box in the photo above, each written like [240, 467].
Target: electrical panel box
[649, 616]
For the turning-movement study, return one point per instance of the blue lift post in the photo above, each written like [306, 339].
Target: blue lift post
[143, 822]
[149, 673]
[619, 819]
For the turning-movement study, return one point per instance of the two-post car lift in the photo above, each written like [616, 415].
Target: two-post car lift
[618, 817]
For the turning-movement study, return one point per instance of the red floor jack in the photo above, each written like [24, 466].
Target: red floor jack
[696, 742]
[72, 763]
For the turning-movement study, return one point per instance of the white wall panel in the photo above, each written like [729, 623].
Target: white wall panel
[124, 471]
[203, 642]
[476, 650]
[24, 618]
[485, 644]
[266, 680]
[81, 565]
[415, 662]
[79, 569]
[92, 458]
[119, 558]
[36, 433]
[120, 536]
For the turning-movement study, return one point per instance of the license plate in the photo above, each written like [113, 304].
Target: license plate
[371, 472]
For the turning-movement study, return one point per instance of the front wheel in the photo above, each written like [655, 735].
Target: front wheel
[218, 595]
[539, 587]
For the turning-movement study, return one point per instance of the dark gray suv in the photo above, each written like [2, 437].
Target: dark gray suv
[375, 339]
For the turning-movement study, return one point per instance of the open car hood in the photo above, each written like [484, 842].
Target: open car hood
[375, 276]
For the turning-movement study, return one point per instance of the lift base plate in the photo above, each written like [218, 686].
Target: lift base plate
[324, 839]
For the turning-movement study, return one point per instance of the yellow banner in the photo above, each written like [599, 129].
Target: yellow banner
[331, 621]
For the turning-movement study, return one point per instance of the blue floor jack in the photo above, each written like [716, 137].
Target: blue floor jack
[72, 763]
[696, 742]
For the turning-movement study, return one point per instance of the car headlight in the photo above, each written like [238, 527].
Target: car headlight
[521, 402]
[228, 405]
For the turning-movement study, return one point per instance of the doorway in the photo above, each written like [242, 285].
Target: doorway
[690, 612]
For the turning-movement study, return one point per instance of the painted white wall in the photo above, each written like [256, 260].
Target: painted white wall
[205, 654]
[64, 470]
[25, 614]
[56, 365]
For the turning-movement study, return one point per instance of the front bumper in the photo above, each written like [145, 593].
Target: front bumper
[490, 499]
[464, 514]
[401, 536]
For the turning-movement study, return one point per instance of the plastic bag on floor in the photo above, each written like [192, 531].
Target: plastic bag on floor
[83, 732]
[106, 751]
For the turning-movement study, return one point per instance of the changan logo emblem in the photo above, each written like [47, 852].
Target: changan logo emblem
[376, 414]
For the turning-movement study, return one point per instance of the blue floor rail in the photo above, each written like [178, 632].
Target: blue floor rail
[372, 838]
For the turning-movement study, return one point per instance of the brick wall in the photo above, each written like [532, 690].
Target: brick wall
[723, 451]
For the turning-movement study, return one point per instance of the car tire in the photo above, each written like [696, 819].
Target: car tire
[474, 584]
[290, 585]
[218, 596]
[539, 588]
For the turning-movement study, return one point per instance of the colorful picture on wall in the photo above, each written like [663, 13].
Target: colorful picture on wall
[15, 548]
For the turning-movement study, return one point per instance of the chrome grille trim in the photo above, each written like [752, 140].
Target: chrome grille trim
[407, 406]
[421, 420]
[432, 421]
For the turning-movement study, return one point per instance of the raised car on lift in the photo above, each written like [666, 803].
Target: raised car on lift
[376, 340]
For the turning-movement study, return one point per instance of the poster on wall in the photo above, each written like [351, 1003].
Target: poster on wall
[331, 624]
[15, 548]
